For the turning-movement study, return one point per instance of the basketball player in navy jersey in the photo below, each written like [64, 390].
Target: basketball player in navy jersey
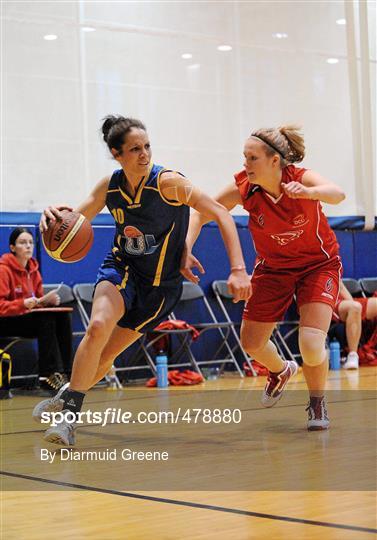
[139, 282]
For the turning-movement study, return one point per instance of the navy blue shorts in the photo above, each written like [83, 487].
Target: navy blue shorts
[145, 306]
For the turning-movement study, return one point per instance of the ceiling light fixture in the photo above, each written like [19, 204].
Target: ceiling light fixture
[50, 37]
[280, 35]
[88, 29]
[186, 56]
[224, 48]
[332, 60]
[341, 22]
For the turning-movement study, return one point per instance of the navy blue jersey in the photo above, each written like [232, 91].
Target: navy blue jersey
[150, 230]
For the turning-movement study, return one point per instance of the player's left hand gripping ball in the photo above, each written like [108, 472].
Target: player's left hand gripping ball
[69, 239]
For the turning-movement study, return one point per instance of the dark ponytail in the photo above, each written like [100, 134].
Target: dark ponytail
[116, 128]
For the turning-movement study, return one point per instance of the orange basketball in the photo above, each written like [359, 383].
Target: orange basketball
[69, 239]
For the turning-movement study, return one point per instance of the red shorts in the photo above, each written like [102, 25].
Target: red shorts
[273, 289]
[362, 301]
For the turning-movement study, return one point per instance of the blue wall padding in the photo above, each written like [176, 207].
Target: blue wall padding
[210, 251]
[354, 223]
[341, 223]
[84, 271]
[6, 229]
[358, 250]
[365, 253]
[346, 249]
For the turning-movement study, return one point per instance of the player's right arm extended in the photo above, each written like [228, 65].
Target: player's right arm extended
[96, 200]
[228, 197]
[92, 205]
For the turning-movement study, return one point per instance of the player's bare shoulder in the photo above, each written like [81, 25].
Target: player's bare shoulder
[172, 178]
[105, 182]
[174, 187]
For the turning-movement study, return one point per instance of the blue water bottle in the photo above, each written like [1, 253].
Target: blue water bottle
[334, 355]
[162, 369]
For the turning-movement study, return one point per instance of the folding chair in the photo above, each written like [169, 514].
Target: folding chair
[192, 293]
[83, 293]
[67, 299]
[65, 292]
[353, 286]
[184, 339]
[222, 294]
[368, 285]
[279, 337]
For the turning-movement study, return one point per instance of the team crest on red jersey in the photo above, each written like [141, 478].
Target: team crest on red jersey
[260, 220]
[300, 220]
[284, 238]
[329, 285]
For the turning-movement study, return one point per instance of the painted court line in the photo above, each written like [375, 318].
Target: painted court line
[194, 505]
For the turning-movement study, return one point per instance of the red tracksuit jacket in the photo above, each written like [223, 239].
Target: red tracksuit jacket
[16, 284]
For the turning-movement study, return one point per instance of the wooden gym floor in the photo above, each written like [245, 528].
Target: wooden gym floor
[265, 477]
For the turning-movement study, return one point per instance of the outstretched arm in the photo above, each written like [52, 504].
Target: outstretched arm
[92, 205]
[176, 188]
[315, 187]
[229, 197]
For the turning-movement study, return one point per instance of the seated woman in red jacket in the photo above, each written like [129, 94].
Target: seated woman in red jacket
[20, 293]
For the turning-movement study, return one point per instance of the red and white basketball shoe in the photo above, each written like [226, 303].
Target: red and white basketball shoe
[276, 382]
[318, 419]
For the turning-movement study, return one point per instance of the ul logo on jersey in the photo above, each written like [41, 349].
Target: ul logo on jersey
[138, 243]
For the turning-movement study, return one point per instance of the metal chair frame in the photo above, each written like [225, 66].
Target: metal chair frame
[192, 292]
[368, 285]
[83, 292]
[221, 292]
[184, 338]
[353, 286]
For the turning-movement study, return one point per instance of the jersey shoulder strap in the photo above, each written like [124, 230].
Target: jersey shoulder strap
[115, 180]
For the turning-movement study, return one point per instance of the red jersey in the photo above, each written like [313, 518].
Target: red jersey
[287, 233]
[16, 284]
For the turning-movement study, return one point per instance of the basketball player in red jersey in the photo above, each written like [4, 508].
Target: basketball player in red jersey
[297, 254]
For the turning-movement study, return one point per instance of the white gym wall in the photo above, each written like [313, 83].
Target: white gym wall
[126, 58]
